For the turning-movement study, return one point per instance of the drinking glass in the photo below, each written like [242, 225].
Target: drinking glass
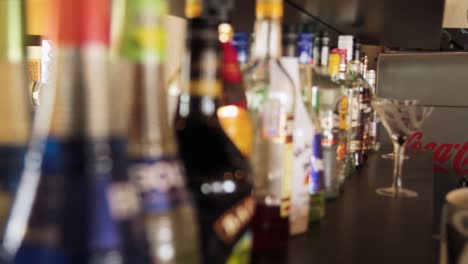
[401, 118]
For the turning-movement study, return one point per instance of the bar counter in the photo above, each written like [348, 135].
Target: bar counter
[362, 227]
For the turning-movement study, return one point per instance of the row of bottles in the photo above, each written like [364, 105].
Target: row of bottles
[236, 153]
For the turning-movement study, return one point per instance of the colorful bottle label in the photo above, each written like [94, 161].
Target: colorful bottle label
[305, 48]
[316, 182]
[241, 43]
[241, 251]
[144, 37]
[159, 182]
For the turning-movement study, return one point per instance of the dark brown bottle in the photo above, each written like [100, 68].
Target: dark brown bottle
[218, 175]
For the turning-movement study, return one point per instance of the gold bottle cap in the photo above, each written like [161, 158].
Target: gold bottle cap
[269, 9]
[334, 64]
[193, 8]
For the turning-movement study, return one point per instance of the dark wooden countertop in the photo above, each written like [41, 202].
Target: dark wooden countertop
[361, 227]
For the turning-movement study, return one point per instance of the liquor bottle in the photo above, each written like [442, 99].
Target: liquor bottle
[315, 179]
[271, 102]
[233, 114]
[218, 174]
[15, 109]
[374, 144]
[303, 136]
[358, 110]
[241, 43]
[154, 164]
[345, 158]
[331, 94]
[302, 148]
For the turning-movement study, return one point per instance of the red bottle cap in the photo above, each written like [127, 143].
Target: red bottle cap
[63, 28]
[96, 21]
[73, 23]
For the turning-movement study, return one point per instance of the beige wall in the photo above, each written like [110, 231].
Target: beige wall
[455, 14]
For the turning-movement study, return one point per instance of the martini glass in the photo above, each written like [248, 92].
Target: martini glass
[401, 118]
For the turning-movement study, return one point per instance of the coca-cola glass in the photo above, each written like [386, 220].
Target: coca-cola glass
[401, 118]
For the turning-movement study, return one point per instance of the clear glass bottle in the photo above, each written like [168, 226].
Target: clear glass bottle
[154, 165]
[271, 102]
[331, 94]
[316, 180]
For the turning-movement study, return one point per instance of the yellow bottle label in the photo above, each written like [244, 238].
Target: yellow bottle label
[334, 64]
[269, 9]
[212, 88]
[236, 123]
[144, 35]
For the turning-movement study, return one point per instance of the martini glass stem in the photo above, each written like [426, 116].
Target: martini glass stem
[399, 151]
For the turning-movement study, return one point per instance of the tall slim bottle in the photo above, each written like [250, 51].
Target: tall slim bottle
[115, 223]
[271, 99]
[218, 174]
[15, 109]
[154, 164]
[315, 179]
[303, 136]
[331, 94]
[358, 109]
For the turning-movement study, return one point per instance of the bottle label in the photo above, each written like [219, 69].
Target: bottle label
[305, 50]
[159, 182]
[206, 88]
[241, 251]
[316, 181]
[232, 221]
[144, 37]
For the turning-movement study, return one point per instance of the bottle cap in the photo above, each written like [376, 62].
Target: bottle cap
[272, 9]
[95, 21]
[334, 63]
[193, 8]
[64, 24]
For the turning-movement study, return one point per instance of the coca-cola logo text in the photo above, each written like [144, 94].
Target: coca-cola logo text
[443, 154]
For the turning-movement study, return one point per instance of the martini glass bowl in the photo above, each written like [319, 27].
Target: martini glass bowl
[401, 118]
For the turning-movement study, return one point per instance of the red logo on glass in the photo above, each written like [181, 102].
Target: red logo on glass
[443, 153]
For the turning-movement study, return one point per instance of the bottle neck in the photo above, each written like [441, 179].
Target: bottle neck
[267, 39]
[11, 30]
[205, 86]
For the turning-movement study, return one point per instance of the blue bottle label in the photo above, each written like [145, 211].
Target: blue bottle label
[316, 182]
[159, 182]
[305, 48]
